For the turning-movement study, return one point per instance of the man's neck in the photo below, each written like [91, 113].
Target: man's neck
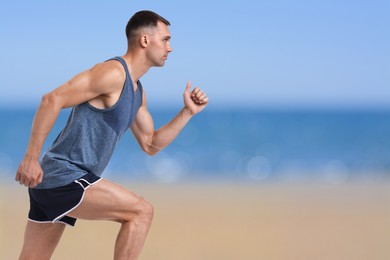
[136, 64]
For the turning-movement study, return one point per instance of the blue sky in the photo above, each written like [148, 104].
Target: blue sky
[280, 53]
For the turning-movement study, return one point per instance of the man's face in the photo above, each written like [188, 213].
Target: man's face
[159, 45]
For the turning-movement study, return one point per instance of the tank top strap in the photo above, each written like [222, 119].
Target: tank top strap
[124, 64]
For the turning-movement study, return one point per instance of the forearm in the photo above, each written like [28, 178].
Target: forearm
[43, 122]
[152, 141]
[166, 134]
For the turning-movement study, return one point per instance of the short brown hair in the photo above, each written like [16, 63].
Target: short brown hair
[143, 19]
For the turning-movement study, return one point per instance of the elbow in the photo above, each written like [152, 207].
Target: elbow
[149, 146]
[150, 150]
[46, 99]
[151, 153]
[49, 99]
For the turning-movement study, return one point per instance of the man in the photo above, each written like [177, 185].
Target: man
[107, 100]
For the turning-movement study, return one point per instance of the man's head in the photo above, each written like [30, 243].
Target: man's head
[141, 21]
[148, 34]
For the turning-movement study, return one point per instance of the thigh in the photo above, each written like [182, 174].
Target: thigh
[40, 240]
[106, 200]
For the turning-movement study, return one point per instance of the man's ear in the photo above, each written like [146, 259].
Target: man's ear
[144, 40]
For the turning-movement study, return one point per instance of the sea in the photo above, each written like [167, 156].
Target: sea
[239, 145]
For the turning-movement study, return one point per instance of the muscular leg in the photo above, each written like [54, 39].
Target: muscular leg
[108, 201]
[40, 240]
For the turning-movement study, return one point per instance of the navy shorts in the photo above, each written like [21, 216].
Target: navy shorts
[52, 205]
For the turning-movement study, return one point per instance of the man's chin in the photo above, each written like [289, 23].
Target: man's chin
[160, 64]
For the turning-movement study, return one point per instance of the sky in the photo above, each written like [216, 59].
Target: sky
[281, 53]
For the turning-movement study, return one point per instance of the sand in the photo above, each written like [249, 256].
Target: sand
[226, 221]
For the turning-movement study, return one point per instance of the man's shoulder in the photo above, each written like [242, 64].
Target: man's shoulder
[110, 66]
[110, 70]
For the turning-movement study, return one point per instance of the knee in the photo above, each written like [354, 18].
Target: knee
[147, 212]
[143, 213]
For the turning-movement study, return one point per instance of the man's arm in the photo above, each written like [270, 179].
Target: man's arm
[151, 140]
[102, 79]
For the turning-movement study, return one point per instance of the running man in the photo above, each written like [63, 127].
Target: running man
[108, 99]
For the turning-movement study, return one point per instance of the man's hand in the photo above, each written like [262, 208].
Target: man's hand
[195, 100]
[29, 173]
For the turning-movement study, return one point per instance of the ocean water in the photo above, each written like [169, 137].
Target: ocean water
[335, 146]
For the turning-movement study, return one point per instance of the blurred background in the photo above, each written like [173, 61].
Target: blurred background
[298, 90]
[291, 158]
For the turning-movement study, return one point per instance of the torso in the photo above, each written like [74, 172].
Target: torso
[88, 139]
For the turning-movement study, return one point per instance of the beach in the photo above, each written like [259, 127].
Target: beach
[231, 221]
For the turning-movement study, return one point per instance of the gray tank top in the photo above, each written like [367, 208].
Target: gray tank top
[89, 137]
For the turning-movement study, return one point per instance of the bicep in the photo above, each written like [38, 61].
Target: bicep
[143, 125]
[75, 91]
